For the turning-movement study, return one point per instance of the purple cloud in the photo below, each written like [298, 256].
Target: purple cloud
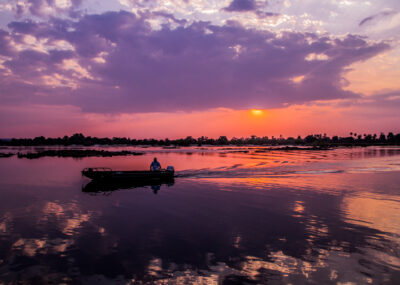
[42, 8]
[377, 16]
[6, 48]
[118, 63]
[241, 6]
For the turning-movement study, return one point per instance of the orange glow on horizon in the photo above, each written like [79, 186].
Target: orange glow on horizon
[257, 112]
[327, 117]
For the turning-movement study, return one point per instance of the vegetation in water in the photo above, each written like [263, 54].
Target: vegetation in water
[76, 153]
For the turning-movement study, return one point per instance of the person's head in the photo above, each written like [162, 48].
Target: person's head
[155, 159]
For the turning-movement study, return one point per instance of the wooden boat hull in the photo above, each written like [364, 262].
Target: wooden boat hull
[108, 174]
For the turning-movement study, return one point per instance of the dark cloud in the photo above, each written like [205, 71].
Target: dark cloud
[262, 14]
[241, 6]
[189, 67]
[378, 16]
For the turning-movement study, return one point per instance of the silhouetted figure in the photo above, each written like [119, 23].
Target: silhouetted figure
[155, 165]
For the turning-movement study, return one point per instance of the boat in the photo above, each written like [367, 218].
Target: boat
[104, 173]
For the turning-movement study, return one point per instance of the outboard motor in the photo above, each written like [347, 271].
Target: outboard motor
[170, 168]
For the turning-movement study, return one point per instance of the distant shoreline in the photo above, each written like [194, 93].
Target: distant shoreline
[318, 140]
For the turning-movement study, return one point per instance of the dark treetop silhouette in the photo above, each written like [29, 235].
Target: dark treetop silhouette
[321, 140]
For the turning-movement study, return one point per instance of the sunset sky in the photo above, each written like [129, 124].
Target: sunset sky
[140, 68]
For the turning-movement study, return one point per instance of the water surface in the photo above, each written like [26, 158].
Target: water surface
[233, 215]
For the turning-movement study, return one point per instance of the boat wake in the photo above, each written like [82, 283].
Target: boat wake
[238, 171]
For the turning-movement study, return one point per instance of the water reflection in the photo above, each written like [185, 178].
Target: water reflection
[109, 186]
[317, 227]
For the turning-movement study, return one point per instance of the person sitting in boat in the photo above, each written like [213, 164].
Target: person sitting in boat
[155, 165]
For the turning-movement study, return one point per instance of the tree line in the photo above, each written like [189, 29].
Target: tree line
[353, 139]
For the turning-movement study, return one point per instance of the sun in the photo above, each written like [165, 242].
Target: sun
[257, 112]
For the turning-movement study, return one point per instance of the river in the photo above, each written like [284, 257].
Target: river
[233, 215]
